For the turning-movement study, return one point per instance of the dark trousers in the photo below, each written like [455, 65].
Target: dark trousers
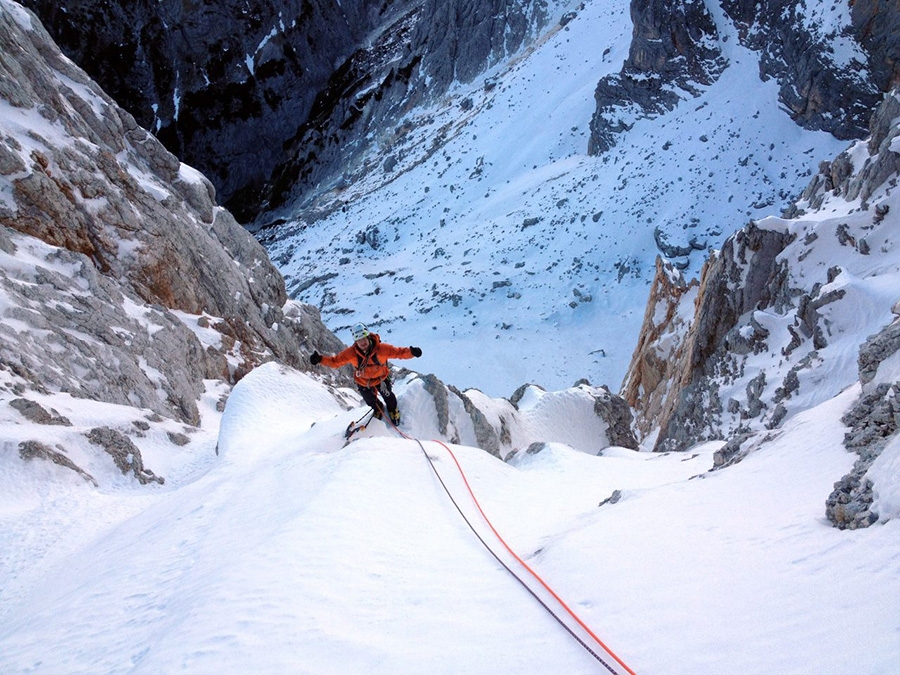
[370, 396]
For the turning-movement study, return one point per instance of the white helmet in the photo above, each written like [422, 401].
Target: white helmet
[359, 331]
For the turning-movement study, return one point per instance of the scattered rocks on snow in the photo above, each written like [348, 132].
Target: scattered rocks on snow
[30, 450]
[36, 413]
[125, 454]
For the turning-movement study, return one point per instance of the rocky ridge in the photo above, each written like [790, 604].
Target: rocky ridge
[734, 354]
[122, 280]
[528, 420]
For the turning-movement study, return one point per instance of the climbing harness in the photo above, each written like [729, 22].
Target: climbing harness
[362, 363]
[521, 562]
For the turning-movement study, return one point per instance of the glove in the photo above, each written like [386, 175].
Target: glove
[416, 351]
[315, 358]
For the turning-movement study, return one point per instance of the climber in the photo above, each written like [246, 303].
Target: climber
[370, 356]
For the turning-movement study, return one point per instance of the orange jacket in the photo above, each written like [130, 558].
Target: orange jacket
[371, 365]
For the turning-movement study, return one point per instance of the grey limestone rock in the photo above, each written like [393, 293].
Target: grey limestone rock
[674, 49]
[882, 163]
[876, 349]
[124, 453]
[124, 281]
[36, 413]
[746, 275]
[487, 437]
[873, 421]
[31, 450]
[613, 410]
[817, 91]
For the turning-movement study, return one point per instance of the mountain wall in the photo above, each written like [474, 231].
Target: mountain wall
[674, 48]
[122, 281]
[221, 84]
[833, 64]
[275, 101]
[778, 320]
[240, 88]
[412, 62]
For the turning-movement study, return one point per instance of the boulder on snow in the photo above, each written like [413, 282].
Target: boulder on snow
[30, 450]
[125, 454]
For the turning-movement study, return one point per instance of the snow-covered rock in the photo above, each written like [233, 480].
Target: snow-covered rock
[121, 280]
[781, 322]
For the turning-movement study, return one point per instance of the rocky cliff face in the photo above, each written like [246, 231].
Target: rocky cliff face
[411, 62]
[768, 329]
[831, 74]
[674, 48]
[237, 88]
[820, 89]
[121, 279]
[221, 84]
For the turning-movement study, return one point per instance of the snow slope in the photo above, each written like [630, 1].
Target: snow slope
[288, 553]
[480, 228]
[271, 548]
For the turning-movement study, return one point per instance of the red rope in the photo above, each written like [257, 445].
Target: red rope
[518, 559]
[534, 574]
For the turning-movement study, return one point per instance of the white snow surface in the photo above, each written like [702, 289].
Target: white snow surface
[288, 553]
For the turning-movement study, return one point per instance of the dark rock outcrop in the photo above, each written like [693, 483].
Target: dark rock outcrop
[36, 413]
[674, 48]
[242, 87]
[125, 454]
[413, 61]
[31, 450]
[818, 92]
[613, 410]
[221, 84]
[876, 25]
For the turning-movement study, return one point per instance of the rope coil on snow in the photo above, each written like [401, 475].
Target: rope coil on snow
[534, 574]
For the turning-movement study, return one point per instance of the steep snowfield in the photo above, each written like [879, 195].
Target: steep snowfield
[288, 553]
[496, 239]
